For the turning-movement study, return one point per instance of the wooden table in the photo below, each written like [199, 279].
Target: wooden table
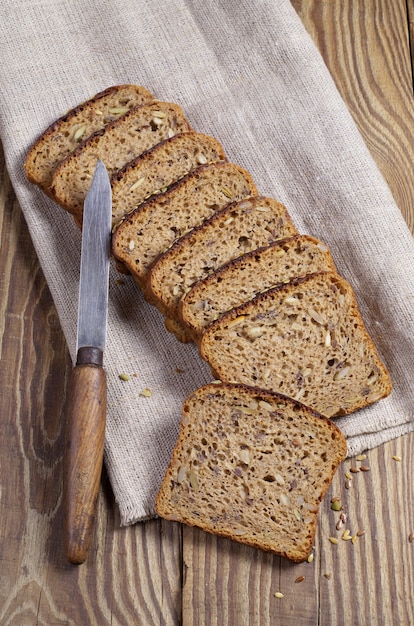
[163, 573]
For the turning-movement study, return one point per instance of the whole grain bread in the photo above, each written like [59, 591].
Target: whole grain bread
[241, 279]
[159, 167]
[64, 135]
[305, 339]
[238, 228]
[118, 143]
[154, 226]
[252, 466]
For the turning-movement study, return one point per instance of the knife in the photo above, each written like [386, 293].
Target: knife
[86, 401]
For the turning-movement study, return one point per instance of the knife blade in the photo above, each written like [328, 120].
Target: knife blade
[86, 400]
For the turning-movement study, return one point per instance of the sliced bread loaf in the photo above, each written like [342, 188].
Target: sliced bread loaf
[119, 142]
[159, 167]
[252, 466]
[305, 339]
[64, 135]
[155, 225]
[229, 233]
[241, 279]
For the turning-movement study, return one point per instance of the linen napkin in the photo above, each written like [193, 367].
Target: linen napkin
[246, 72]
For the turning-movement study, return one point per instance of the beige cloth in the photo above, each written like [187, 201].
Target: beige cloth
[246, 72]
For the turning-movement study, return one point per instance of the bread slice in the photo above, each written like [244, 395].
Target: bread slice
[159, 167]
[229, 233]
[241, 279]
[305, 339]
[153, 227]
[64, 135]
[253, 466]
[119, 142]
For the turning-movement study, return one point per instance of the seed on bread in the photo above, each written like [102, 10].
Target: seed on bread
[201, 158]
[79, 132]
[118, 110]
[137, 183]
[181, 474]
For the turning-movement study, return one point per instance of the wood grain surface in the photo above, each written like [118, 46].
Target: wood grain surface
[159, 572]
[366, 47]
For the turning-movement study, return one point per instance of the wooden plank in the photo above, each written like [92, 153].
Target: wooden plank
[410, 15]
[132, 575]
[373, 576]
[228, 583]
[366, 47]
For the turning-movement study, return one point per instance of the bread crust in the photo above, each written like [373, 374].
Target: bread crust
[220, 480]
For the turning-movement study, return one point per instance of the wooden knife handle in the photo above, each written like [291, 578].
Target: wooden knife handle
[83, 458]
